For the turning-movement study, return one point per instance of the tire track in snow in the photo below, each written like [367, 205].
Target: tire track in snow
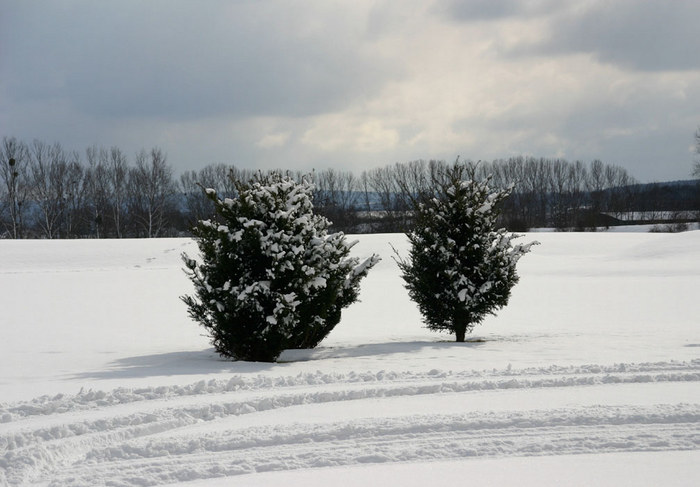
[285, 447]
[553, 376]
[125, 435]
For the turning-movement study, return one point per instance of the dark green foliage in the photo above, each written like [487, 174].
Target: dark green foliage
[271, 277]
[460, 268]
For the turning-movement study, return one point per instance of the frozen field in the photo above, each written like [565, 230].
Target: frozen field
[591, 376]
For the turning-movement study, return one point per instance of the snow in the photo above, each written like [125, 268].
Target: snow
[588, 377]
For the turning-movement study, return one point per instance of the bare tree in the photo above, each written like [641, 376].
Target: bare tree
[595, 186]
[14, 177]
[383, 184]
[412, 179]
[696, 164]
[620, 190]
[77, 216]
[336, 197]
[98, 189]
[117, 169]
[49, 171]
[560, 212]
[696, 174]
[198, 206]
[348, 196]
[366, 191]
[151, 188]
[106, 184]
[516, 205]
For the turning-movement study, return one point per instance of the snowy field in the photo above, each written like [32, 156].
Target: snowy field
[589, 377]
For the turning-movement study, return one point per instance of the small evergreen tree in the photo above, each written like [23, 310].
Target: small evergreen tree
[271, 277]
[460, 267]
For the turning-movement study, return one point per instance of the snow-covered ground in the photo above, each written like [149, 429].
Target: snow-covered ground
[589, 377]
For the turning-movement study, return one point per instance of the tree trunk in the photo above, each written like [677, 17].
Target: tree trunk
[461, 323]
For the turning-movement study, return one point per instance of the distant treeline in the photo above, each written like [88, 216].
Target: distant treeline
[49, 192]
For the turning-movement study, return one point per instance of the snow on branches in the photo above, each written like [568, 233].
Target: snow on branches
[271, 276]
[460, 266]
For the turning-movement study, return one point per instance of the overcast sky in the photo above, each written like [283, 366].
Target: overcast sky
[357, 84]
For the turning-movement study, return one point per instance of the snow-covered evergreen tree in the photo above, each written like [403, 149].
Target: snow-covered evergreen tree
[460, 267]
[271, 277]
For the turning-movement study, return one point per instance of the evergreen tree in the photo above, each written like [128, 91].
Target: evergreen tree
[271, 277]
[460, 267]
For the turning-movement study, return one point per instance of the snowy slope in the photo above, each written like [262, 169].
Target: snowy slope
[589, 376]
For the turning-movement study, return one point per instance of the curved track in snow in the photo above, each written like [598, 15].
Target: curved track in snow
[217, 428]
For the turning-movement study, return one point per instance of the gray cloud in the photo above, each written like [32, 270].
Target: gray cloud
[646, 35]
[186, 59]
[479, 10]
[654, 35]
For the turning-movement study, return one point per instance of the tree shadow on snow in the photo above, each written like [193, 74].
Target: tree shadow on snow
[209, 362]
[173, 363]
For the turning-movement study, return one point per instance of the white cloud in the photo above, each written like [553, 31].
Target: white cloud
[273, 140]
[339, 133]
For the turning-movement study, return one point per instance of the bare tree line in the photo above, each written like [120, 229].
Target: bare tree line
[546, 192]
[49, 192]
[562, 194]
